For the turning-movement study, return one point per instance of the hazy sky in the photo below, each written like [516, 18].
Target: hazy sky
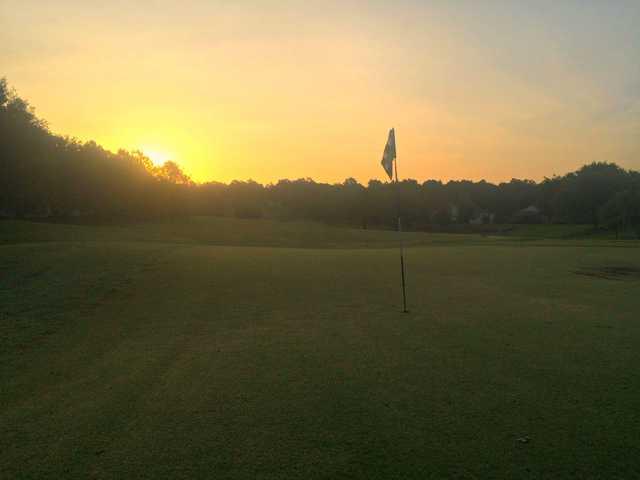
[274, 89]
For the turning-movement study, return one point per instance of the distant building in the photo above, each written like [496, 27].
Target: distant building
[531, 214]
[482, 218]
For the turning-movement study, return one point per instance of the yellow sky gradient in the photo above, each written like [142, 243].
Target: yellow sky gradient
[270, 90]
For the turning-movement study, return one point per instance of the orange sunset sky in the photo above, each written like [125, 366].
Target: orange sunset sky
[283, 89]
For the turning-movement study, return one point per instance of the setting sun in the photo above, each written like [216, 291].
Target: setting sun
[158, 157]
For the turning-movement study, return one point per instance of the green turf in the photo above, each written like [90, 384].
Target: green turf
[557, 231]
[157, 351]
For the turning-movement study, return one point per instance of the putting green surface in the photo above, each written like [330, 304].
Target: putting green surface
[194, 352]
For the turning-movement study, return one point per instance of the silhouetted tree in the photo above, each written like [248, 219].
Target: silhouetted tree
[583, 192]
[42, 174]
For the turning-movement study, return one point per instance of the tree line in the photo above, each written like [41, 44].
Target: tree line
[47, 175]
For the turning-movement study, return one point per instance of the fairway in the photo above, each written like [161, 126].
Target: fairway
[219, 348]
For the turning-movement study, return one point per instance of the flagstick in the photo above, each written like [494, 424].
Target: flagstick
[404, 292]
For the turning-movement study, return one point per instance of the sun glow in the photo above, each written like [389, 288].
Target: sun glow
[158, 157]
[273, 90]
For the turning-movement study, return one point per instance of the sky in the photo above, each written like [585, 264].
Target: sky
[264, 90]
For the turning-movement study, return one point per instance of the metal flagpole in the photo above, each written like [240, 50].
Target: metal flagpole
[404, 292]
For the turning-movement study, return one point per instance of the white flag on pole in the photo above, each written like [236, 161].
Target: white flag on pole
[389, 154]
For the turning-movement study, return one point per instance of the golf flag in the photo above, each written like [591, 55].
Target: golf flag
[388, 157]
[389, 154]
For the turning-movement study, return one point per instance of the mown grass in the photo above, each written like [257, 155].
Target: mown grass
[159, 351]
[558, 231]
[216, 231]
[292, 234]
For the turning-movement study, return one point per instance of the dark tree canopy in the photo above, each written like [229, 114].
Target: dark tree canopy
[46, 175]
